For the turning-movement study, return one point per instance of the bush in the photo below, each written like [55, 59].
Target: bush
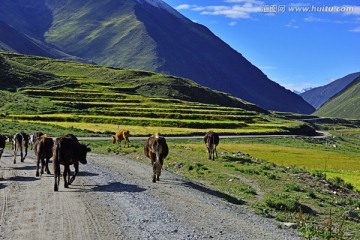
[292, 187]
[282, 202]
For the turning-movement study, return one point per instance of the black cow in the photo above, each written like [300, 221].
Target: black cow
[211, 140]
[68, 151]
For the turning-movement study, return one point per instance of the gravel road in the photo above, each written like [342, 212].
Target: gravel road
[113, 198]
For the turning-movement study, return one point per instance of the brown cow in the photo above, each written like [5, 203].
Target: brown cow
[20, 141]
[2, 144]
[67, 151]
[122, 134]
[211, 140]
[43, 149]
[156, 149]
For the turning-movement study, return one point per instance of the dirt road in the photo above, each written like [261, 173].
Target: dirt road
[113, 198]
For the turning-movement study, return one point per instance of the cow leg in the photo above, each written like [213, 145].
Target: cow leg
[21, 154]
[26, 149]
[42, 165]
[15, 155]
[56, 176]
[65, 175]
[37, 166]
[209, 152]
[154, 174]
[47, 165]
[158, 172]
[76, 165]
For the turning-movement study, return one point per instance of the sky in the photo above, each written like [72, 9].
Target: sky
[299, 44]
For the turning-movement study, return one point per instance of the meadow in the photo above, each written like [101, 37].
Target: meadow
[292, 179]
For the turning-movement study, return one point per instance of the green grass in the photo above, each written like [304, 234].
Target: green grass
[292, 193]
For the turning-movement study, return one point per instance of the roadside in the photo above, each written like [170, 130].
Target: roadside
[113, 198]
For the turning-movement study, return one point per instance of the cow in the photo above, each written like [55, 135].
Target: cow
[211, 140]
[2, 144]
[156, 149]
[20, 142]
[68, 151]
[122, 134]
[43, 149]
[33, 138]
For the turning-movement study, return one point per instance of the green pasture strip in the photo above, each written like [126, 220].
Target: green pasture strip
[349, 177]
[309, 158]
[9, 127]
[130, 121]
[169, 115]
[146, 130]
[145, 106]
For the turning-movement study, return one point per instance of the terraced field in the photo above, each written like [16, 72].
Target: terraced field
[73, 94]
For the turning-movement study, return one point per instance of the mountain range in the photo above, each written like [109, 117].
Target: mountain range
[138, 34]
[320, 95]
[345, 104]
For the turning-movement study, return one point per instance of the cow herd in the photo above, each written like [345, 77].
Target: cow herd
[67, 150]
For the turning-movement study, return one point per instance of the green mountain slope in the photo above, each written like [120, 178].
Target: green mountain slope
[345, 104]
[44, 90]
[136, 34]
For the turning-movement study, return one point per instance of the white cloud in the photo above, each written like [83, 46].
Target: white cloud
[243, 9]
[351, 10]
[183, 7]
[292, 24]
[233, 23]
[357, 29]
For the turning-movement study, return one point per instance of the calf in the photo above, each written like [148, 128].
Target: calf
[156, 149]
[122, 134]
[68, 151]
[20, 142]
[43, 149]
[211, 140]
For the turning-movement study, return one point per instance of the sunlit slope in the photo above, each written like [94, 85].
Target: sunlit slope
[346, 104]
[49, 90]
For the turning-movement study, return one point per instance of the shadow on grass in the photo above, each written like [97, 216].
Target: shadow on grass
[215, 193]
[238, 160]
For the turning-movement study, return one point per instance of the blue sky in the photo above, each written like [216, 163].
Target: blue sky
[298, 44]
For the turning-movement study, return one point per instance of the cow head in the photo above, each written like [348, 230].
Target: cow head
[84, 149]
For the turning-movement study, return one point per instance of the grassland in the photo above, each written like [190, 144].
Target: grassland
[292, 179]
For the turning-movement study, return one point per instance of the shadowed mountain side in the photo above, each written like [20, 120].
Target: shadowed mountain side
[12, 40]
[345, 104]
[318, 96]
[148, 36]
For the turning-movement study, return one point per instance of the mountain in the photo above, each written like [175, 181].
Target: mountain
[318, 96]
[12, 40]
[147, 35]
[345, 104]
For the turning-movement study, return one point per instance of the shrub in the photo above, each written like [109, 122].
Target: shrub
[282, 202]
[292, 187]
